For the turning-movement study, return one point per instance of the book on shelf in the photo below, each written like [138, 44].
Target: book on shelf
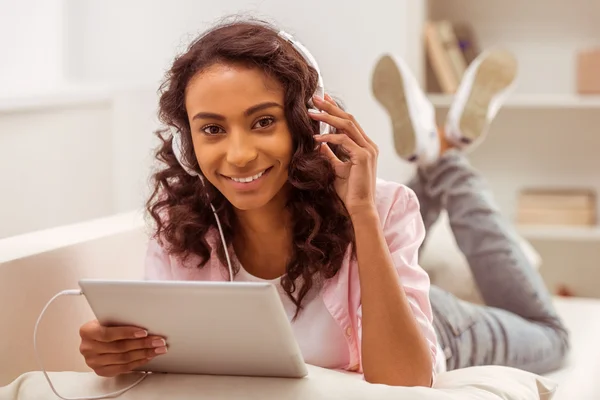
[588, 65]
[568, 207]
[451, 45]
[467, 41]
[450, 48]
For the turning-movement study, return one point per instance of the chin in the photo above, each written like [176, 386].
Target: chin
[249, 203]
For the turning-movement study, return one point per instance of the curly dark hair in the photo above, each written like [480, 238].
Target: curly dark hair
[180, 203]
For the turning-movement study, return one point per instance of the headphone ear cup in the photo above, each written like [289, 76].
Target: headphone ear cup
[320, 91]
[324, 128]
[177, 146]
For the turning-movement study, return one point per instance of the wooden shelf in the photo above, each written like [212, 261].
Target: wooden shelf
[560, 233]
[542, 101]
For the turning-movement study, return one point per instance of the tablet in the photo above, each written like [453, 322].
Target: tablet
[211, 328]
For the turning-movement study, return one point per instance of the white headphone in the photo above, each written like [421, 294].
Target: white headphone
[323, 129]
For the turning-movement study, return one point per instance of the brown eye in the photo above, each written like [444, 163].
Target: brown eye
[213, 130]
[264, 122]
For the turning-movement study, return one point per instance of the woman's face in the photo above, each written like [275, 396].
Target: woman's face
[239, 132]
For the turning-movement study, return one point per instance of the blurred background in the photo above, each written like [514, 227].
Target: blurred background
[79, 80]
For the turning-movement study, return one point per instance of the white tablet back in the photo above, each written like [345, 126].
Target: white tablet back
[217, 328]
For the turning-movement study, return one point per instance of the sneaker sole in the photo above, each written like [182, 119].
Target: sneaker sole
[388, 89]
[494, 74]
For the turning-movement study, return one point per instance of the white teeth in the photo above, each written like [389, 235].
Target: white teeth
[248, 179]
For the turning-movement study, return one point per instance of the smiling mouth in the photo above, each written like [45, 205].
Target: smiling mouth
[249, 179]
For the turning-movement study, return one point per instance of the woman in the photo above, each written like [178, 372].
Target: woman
[293, 209]
[302, 210]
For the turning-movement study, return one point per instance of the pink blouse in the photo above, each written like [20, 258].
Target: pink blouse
[320, 338]
[403, 228]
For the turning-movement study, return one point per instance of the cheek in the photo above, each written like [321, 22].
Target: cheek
[286, 156]
[285, 148]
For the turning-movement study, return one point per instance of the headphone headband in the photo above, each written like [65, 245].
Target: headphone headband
[309, 59]
[320, 90]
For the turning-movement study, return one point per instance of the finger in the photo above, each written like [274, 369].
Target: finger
[100, 333]
[327, 152]
[329, 106]
[353, 149]
[110, 371]
[103, 360]
[342, 124]
[343, 114]
[121, 346]
[330, 100]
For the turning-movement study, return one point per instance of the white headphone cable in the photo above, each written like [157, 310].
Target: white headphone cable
[72, 292]
[224, 242]
[77, 292]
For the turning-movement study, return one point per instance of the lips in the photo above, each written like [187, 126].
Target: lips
[249, 178]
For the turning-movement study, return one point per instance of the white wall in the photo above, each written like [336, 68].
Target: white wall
[134, 121]
[31, 45]
[73, 155]
[55, 165]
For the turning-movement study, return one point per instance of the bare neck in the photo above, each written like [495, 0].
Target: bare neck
[263, 239]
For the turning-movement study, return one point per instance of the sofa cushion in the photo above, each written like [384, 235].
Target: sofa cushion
[482, 383]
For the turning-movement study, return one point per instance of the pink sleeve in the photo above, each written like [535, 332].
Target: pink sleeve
[404, 233]
[158, 263]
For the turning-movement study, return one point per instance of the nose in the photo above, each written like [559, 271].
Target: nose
[241, 149]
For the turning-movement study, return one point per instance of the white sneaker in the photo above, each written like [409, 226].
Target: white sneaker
[486, 84]
[413, 116]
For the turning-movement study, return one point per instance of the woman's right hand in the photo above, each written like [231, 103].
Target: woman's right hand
[111, 351]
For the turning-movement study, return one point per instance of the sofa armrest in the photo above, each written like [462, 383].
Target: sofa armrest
[42, 264]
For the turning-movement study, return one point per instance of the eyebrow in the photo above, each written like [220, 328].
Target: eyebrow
[247, 113]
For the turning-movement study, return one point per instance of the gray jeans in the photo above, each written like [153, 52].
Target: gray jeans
[518, 326]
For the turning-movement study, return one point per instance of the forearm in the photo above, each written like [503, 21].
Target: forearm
[394, 350]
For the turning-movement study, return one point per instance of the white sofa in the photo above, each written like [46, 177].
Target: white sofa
[35, 266]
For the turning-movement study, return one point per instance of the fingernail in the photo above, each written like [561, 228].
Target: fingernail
[140, 334]
[160, 350]
[313, 111]
[159, 343]
[317, 98]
